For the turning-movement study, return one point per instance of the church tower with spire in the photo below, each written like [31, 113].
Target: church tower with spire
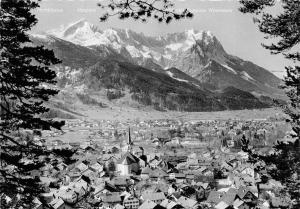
[129, 143]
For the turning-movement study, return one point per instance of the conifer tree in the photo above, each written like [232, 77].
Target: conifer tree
[26, 80]
[284, 30]
[161, 10]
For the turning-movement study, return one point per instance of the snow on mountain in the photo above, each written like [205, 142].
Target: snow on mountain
[86, 34]
[246, 76]
[134, 52]
[194, 52]
[230, 69]
[178, 79]
[188, 39]
[174, 46]
[138, 45]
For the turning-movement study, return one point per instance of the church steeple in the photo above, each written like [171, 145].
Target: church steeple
[129, 137]
[129, 142]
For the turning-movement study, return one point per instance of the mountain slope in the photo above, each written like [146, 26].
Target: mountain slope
[160, 90]
[187, 71]
[93, 70]
[197, 53]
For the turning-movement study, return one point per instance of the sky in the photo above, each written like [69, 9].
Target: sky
[236, 31]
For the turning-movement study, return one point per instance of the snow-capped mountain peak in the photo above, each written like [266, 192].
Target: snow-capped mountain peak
[197, 53]
[165, 50]
[81, 25]
[86, 34]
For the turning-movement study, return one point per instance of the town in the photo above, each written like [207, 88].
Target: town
[150, 104]
[163, 164]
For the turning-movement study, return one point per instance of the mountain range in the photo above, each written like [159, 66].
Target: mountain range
[185, 71]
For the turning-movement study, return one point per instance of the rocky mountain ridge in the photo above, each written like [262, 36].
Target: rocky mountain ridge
[194, 61]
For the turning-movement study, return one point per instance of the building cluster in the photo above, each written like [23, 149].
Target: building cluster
[132, 177]
[145, 174]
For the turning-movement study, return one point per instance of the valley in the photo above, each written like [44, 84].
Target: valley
[188, 71]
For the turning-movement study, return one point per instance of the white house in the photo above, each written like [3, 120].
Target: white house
[128, 164]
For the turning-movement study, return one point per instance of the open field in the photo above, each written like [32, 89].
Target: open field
[129, 114]
[129, 117]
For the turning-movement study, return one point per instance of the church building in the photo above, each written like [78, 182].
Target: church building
[129, 163]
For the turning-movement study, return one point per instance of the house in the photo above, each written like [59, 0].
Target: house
[62, 166]
[156, 197]
[247, 196]
[175, 140]
[80, 188]
[145, 173]
[156, 141]
[229, 197]
[192, 157]
[187, 202]
[265, 187]
[58, 203]
[171, 190]
[171, 175]
[214, 197]
[172, 170]
[138, 151]
[148, 204]
[189, 177]
[131, 202]
[96, 167]
[163, 165]
[161, 187]
[80, 167]
[169, 204]
[234, 162]
[201, 185]
[118, 206]
[68, 195]
[158, 173]
[121, 181]
[114, 149]
[226, 167]
[37, 204]
[222, 205]
[47, 197]
[112, 198]
[110, 187]
[201, 171]
[143, 161]
[240, 204]
[207, 172]
[107, 160]
[66, 179]
[180, 176]
[224, 182]
[90, 174]
[98, 190]
[74, 175]
[128, 164]
[153, 163]
[124, 195]
[247, 171]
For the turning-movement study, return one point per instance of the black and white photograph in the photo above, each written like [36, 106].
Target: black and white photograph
[150, 104]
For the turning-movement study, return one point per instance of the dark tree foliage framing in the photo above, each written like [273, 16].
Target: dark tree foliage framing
[25, 85]
[161, 10]
[26, 80]
[284, 30]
